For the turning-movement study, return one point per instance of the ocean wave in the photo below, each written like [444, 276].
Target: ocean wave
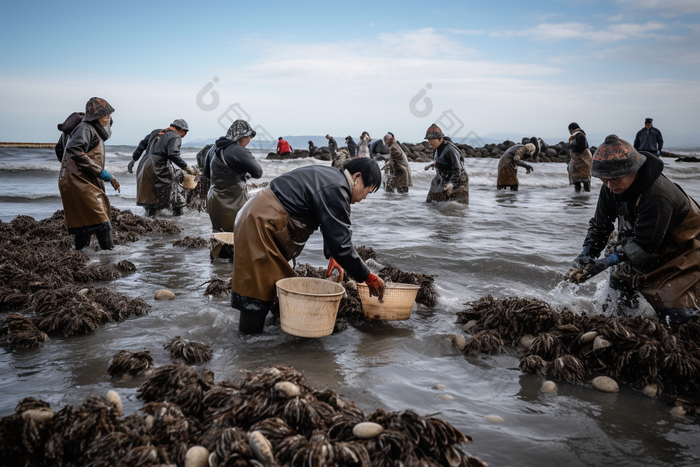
[29, 166]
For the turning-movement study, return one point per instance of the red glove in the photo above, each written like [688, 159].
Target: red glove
[333, 264]
[375, 284]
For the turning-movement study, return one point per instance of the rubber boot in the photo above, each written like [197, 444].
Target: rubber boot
[252, 313]
[577, 187]
[587, 185]
[151, 212]
[82, 240]
[105, 238]
[177, 210]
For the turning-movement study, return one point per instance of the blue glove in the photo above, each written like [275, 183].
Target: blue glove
[106, 176]
[584, 257]
[613, 259]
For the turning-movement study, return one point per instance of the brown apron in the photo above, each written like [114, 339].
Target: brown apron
[507, 170]
[676, 282]
[85, 202]
[267, 238]
[580, 166]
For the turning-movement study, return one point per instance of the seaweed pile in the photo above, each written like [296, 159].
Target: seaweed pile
[44, 280]
[191, 242]
[573, 347]
[270, 418]
[189, 351]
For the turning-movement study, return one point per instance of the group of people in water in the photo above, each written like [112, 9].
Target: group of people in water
[657, 252]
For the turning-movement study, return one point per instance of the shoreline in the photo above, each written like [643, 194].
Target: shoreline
[27, 145]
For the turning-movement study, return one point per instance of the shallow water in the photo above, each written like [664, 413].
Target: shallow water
[502, 244]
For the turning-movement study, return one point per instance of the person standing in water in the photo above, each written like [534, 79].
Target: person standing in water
[579, 166]
[451, 182]
[507, 165]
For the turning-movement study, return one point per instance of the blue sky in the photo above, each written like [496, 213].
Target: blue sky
[299, 68]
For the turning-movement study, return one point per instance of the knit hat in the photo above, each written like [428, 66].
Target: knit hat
[239, 129]
[97, 107]
[616, 158]
[181, 124]
[434, 132]
[648, 120]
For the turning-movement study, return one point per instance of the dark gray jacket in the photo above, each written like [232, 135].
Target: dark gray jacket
[649, 140]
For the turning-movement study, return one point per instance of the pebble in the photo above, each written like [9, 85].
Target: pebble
[526, 340]
[678, 411]
[261, 447]
[38, 415]
[287, 389]
[651, 390]
[114, 399]
[438, 386]
[550, 387]
[351, 285]
[600, 343]
[446, 397]
[470, 324]
[605, 383]
[367, 430]
[494, 419]
[164, 294]
[197, 456]
[459, 342]
[588, 337]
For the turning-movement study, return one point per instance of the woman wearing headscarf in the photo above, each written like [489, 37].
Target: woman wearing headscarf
[451, 182]
[82, 176]
[273, 227]
[398, 171]
[226, 165]
[580, 162]
[508, 165]
[363, 147]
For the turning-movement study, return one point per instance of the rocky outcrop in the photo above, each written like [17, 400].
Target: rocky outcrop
[297, 154]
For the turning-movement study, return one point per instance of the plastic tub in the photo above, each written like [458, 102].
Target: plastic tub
[397, 305]
[223, 237]
[189, 182]
[308, 306]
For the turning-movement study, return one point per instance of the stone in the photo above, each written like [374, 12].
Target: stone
[470, 324]
[164, 294]
[114, 399]
[39, 416]
[526, 340]
[446, 397]
[600, 343]
[549, 387]
[438, 386]
[494, 419]
[197, 456]
[588, 337]
[605, 383]
[366, 430]
[287, 389]
[651, 390]
[459, 342]
[261, 447]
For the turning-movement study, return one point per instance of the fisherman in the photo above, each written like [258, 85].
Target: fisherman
[283, 147]
[332, 145]
[377, 150]
[352, 146]
[579, 166]
[156, 185]
[649, 138]
[657, 251]
[273, 227]
[398, 171]
[312, 148]
[226, 165]
[451, 182]
[82, 176]
[507, 165]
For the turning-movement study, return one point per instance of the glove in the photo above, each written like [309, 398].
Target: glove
[429, 166]
[115, 184]
[448, 188]
[333, 264]
[376, 286]
[594, 267]
[105, 176]
[191, 170]
[584, 257]
[529, 169]
[130, 167]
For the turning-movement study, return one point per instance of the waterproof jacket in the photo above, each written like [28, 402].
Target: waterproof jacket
[154, 176]
[226, 165]
[579, 166]
[378, 147]
[332, 145]
[82, 191]
[400, 171]
[449, 168]
[507, 166]
[363, 147]
[283, 146]
[658, 227]
[319, 196]
[649, 140]
[352, 146]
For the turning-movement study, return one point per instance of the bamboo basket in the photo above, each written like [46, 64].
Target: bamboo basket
[308, 306]
[397, 305]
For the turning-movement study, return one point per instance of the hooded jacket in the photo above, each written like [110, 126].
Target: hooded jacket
[352, 146]
[320, 196]
[448, 162]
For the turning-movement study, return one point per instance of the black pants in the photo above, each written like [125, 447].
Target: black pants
[252, 313]
[103, 232]
[586, 186]
[503, 187]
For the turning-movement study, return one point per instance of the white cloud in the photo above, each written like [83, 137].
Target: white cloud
[667, 7]
[553, 32]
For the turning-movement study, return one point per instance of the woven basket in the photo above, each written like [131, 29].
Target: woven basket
[397, 305]
[189, 182]
[308, 306]
[223, 237]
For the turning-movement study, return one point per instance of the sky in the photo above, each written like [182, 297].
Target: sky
[478, 69]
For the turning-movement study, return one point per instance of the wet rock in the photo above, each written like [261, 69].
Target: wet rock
[526, 340]
[438, 386]
[459, 342]
[113, 398]
[588, 337]
[678, 411]
[600, 343]
[287, 389]
[446, 397]
[367, 430]
[469, 325]
[40, 415]
[651, 390]
[549, 387]
[261, 447]
[605, 383]
[164, 294]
